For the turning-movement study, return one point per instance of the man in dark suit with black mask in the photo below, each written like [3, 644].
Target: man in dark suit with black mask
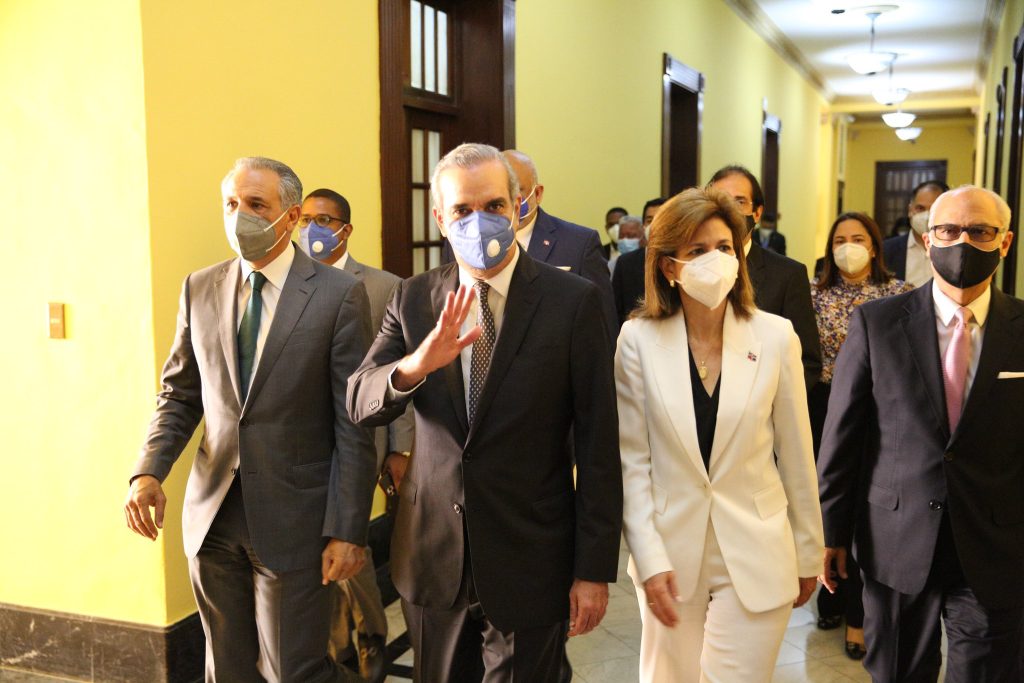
[922, 458]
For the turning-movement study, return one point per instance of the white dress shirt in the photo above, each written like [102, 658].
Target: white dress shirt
[496, 298]
[945, 322]
[276, 273]
[919, 267]
[340, 263]
[525, 233]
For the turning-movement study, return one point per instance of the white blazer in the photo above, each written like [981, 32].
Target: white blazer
[761, 493]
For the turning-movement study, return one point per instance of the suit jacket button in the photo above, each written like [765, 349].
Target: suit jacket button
[457, 508]
[467, 456]
[243, 423]
[948, 456]
[935, 505]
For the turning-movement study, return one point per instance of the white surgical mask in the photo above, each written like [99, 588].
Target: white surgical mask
[709, 277]
[919, 222]
[613, 232]
[851, 258]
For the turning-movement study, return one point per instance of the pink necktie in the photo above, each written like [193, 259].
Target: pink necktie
[954, 366]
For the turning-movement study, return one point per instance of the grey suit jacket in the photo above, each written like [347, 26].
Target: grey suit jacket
[307, 472]
[380, 286]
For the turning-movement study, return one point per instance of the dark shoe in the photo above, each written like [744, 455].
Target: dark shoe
[372, 658]
[855, 651]
[829, 623]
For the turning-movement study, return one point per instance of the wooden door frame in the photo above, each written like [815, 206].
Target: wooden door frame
[997, 166]
[675, 73]
[396, 214]
[1013, 189]
[770, 124]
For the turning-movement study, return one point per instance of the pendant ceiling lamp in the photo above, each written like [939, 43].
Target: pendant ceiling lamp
[871, 62]
[889, 95]
[909, 133]
[898, 119]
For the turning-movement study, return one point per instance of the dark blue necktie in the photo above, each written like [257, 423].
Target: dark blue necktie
[249, 332]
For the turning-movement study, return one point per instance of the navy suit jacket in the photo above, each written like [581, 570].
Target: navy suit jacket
[566, 245]
[894, 251]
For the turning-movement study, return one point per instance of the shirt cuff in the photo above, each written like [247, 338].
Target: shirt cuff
[396, 395]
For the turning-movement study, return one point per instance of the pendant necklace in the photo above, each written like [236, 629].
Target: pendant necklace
[702, 370]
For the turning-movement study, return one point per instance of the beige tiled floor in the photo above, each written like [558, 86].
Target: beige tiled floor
[610, 654]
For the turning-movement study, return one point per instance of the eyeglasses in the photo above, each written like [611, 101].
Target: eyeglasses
[321, 219]
[743, 202]
[977, 233]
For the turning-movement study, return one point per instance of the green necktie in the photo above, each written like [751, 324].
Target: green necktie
[249, 331]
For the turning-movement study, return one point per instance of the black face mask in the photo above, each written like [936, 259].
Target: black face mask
[963, 265]
[750, 224]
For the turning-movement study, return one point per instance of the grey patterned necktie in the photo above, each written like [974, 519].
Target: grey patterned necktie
[482, 348]
[249, 332]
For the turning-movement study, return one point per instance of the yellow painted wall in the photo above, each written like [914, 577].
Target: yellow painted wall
[588, 104]
[869, 142]
[1013, 16]
[74, 185]
[296, 81]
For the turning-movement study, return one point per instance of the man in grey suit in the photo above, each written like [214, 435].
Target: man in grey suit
[324, 228]
[278, 500]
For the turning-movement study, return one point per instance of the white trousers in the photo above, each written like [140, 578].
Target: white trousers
[717, 640]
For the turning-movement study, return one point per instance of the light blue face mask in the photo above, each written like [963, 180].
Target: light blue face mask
[628, 244]
[524, 207]
[319, 241]
[481, 239]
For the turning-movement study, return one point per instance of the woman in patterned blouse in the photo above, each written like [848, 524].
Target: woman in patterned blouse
[853, 273]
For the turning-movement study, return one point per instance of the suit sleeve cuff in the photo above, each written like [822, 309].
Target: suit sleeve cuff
[396, 395]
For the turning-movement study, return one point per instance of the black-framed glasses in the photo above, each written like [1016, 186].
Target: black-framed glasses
[977, 233]
[321, 219]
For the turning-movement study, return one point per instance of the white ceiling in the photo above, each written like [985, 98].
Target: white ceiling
[942, 44]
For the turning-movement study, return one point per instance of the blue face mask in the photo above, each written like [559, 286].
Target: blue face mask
[481, 239]
[318, 241]
[524, 207]
[628, 244]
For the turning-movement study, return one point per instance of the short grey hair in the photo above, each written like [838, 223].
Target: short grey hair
[470, 155]
[631, 219]
[1001, 206]
[526, 161]
[289, 189]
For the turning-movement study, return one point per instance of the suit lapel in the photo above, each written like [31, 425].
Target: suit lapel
[672, 373]
[449, 282]
[298, 288]
[543, 239]
[919, 328]
[227, 314]
[1002, 327]
[519, 308]
[352, 266]
[741, 354]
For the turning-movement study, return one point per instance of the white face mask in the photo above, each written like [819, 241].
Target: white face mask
[851, 258]
[613, 232]
[709, 277]
[919, 222]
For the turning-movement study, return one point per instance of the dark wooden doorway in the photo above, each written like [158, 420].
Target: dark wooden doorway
[771, 130]
[1013, 189]
[997, 166]
[894, 181]
[682, 108]
[446, 77]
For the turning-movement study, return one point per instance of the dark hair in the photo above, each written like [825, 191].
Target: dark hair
[614, 209]
[673, 227]
[830, 271]
[757, 198]
[340, 202]
[657, 201]
[937, 184]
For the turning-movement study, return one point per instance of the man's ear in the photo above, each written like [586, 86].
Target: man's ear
[757, 213]
[538, 194]
[293, 216]
[439, 221]
[346, 232]
[1004, 248]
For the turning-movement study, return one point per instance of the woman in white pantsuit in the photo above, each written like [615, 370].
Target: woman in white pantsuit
[721, 507]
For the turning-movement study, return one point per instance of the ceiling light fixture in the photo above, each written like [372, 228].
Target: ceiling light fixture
[908, 133]
[871, 62]
[890, 95]
[898, 119]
